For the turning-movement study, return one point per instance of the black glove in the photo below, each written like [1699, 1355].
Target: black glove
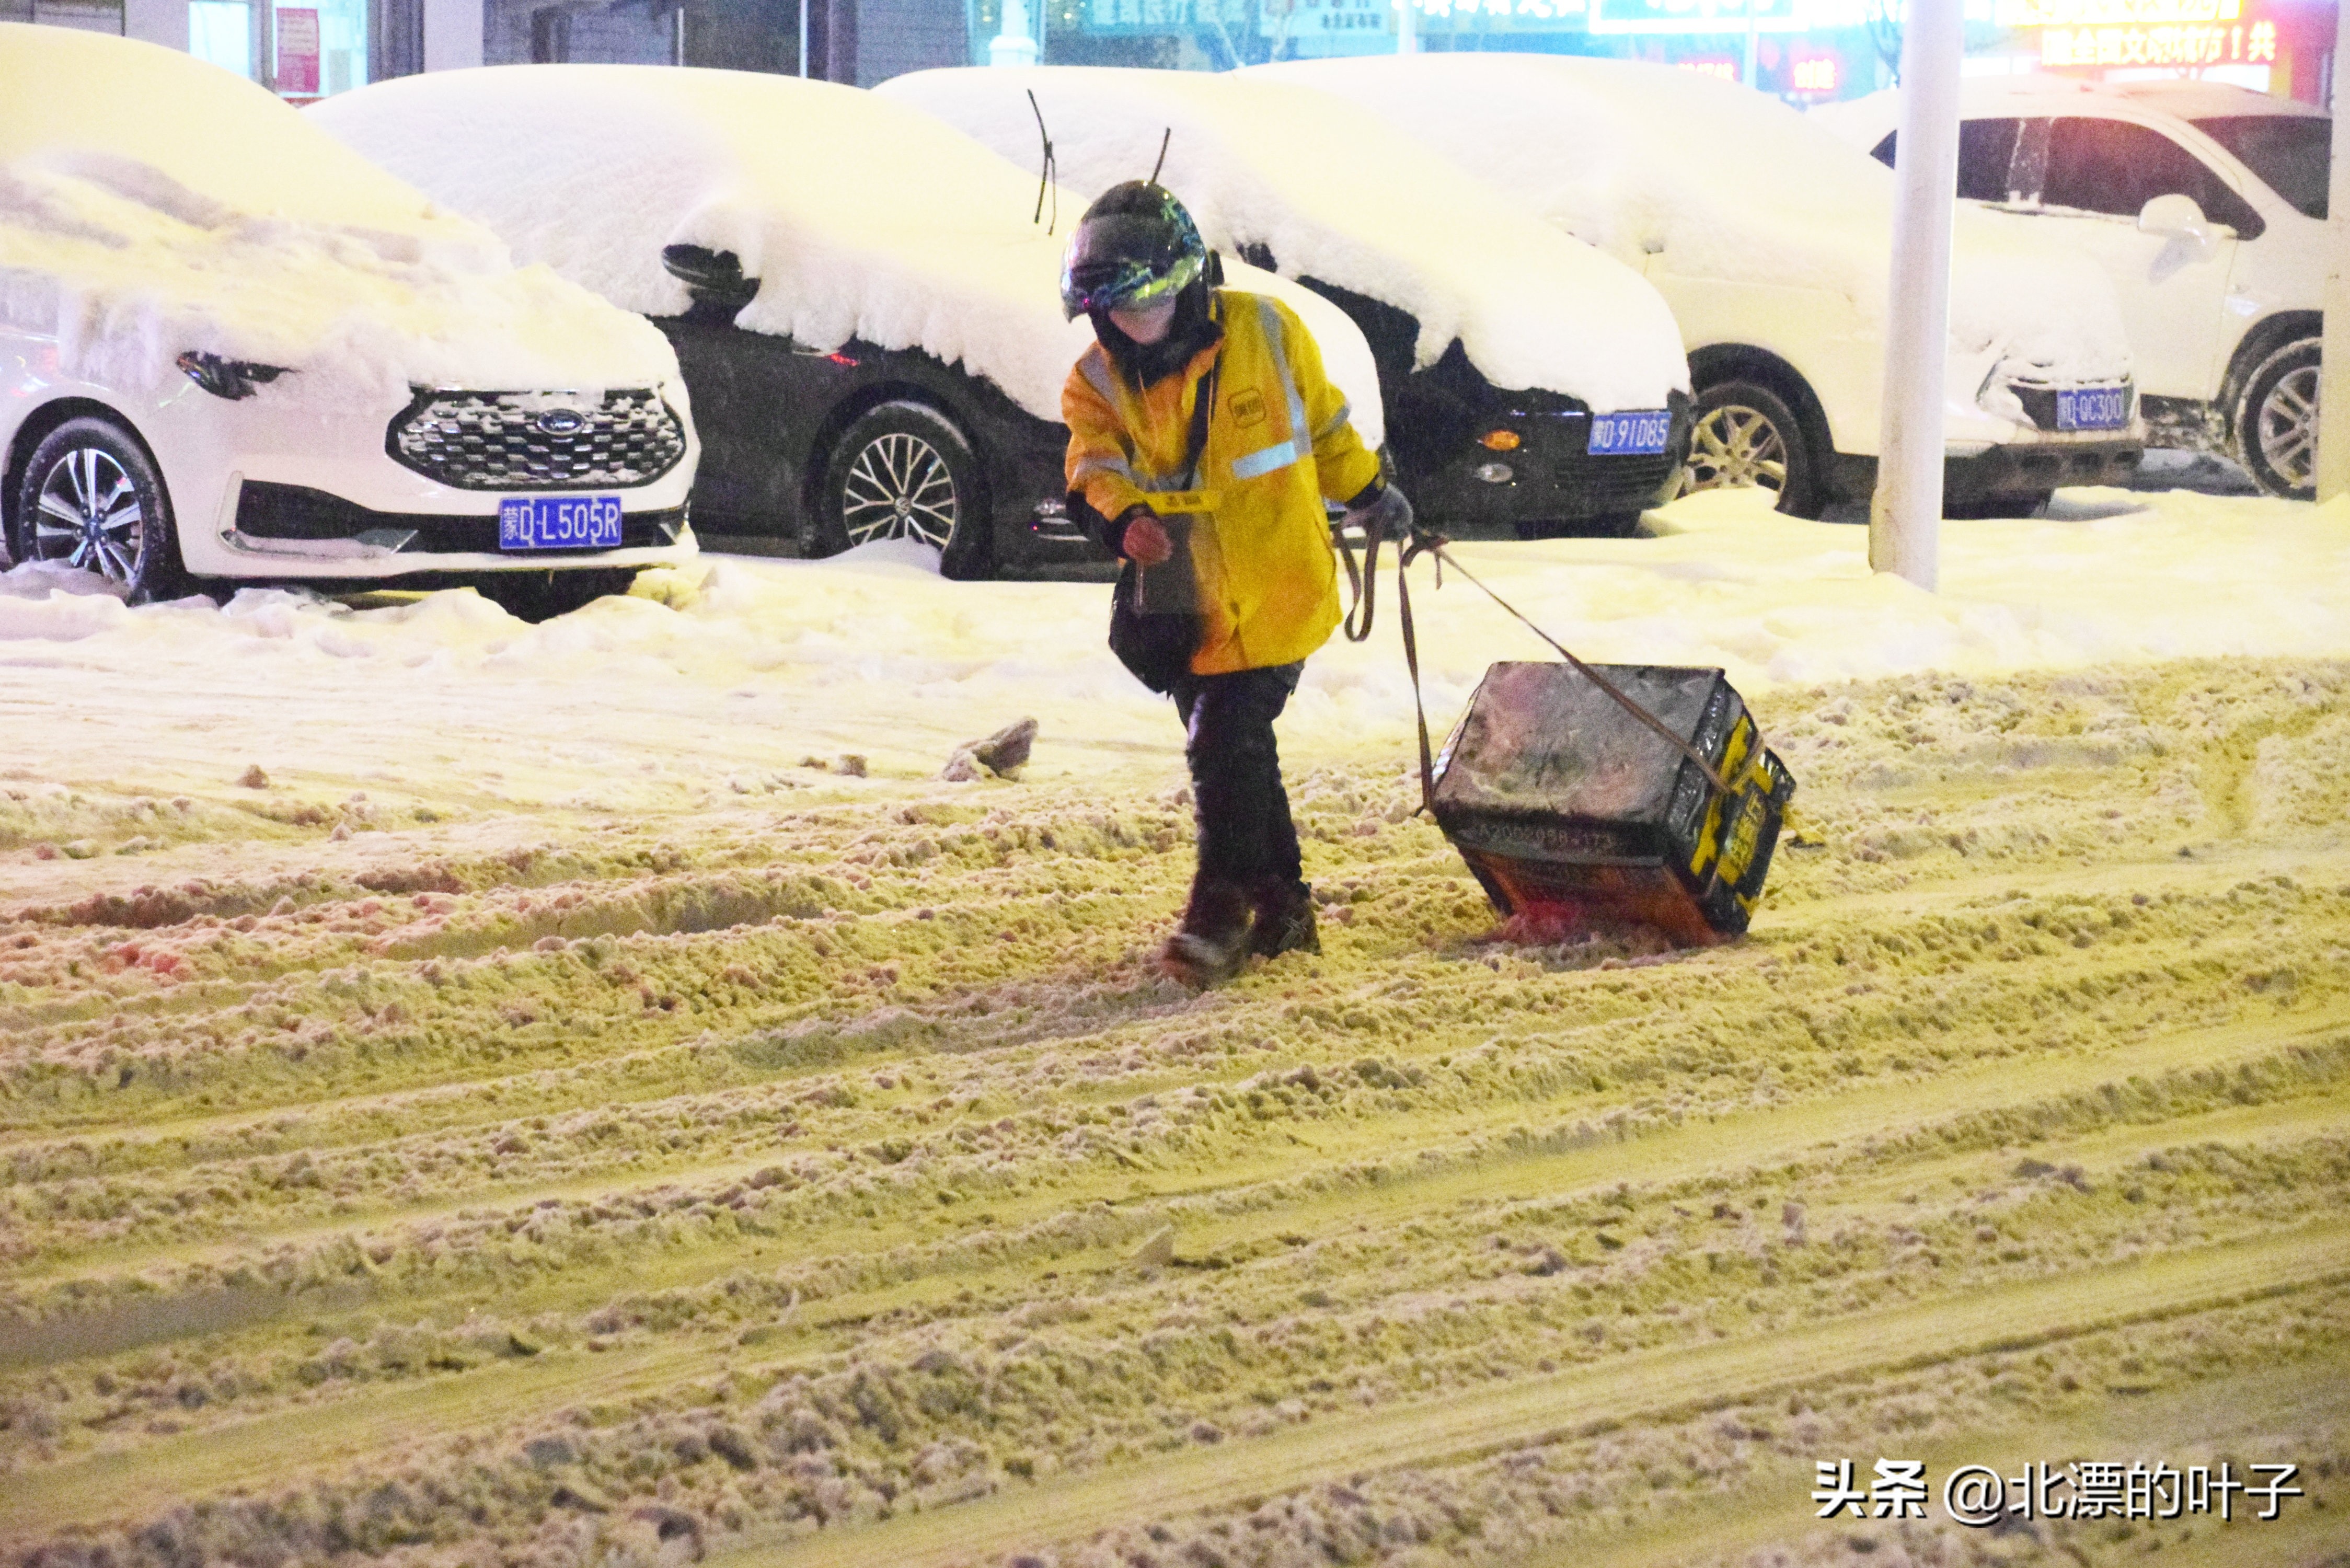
[1387, 516]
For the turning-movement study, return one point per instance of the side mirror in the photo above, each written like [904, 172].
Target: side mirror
[712, 278]
[2175, 217]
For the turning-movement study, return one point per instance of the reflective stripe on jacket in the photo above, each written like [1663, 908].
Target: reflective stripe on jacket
[1278, 442]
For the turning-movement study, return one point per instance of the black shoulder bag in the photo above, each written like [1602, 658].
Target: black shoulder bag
[1154, 618]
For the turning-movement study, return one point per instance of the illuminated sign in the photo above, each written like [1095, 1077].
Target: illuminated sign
[2115, 13]
[1821, 74]
[1726, 69]
[2183, 46]
[1519, 14]
[1669, 16]
[1140, 17]
[1324, 18]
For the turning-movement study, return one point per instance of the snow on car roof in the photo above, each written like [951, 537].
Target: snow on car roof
[860, 217]
[213, 218]
[1722, 182]
[1337, 196]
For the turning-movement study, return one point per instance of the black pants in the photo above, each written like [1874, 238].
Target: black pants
[1245, 834]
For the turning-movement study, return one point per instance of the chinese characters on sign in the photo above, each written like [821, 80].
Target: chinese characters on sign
[298, 52]
[1978, 1496]
[2113, 13]
[1114, 17]
[2180, 45]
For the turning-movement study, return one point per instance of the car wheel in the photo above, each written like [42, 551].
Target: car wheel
[1741, 434]
[2276, 424]
[903, 470]
[536, 596]
[91, 498]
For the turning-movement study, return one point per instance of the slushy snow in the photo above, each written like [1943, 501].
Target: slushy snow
[860, 217]
[151, 205]
[1337, 195]
[1714, 182]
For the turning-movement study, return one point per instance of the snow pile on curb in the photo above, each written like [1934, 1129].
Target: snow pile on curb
[860, 217]
[1724, 183]
[1337, 195]
[767, 661]
[213, 218]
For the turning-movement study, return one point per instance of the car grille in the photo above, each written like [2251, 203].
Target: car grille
[511, 440]
[267, 510]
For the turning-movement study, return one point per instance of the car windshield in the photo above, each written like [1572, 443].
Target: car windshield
[2291, 153]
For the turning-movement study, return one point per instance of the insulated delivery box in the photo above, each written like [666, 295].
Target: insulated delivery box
[1559, 797]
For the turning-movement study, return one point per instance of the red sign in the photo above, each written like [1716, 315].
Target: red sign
[297, 53]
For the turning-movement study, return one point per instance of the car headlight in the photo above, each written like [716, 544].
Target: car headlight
[230, 379]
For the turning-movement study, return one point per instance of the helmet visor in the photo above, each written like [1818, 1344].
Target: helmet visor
[1123, 260]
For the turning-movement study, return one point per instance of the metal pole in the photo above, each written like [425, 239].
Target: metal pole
[804, 11]
[1905, 516]
[1407, 26]
[2334, 370]
[1747, 79]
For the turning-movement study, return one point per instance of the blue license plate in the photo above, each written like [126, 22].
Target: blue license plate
[1643, 432]
[559, 522]
[2092, 408]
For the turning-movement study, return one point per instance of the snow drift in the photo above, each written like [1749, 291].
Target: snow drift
[1337, 194]
[859, 216]
[1641, 160]
[151, 205]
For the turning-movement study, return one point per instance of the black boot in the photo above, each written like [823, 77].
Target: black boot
[1284, 918]
[1209, 948]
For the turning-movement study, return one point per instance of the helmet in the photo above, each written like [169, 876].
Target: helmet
[1135, 246]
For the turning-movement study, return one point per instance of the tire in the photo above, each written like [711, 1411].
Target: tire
[539, 595]
[1741, 434]
[91, 497]
[2276, 422]
[903, 470]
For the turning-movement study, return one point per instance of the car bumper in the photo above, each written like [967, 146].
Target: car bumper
[2034, 468]
[1550, 477]
[297, 530]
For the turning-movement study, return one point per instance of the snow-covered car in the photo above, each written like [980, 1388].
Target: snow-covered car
[1530, 383]
[230, 348]
[2206, 205]
[865, 307]
[1772, 239]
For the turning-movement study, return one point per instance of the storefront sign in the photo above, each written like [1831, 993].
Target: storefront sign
[2115, 13]
[1326, 18]
[2168, 45]
[297, 53]
[1116, 17]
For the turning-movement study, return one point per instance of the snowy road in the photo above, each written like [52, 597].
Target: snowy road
[611, 1141]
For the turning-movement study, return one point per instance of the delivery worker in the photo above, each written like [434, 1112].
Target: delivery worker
[1254, 463]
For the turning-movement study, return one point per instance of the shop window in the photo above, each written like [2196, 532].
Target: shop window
[221, 32]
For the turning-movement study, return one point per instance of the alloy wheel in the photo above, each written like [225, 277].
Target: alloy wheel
[88, 515]
[2286, 425]
[900, 487]
[1736, 445]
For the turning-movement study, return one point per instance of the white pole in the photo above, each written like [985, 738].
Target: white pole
[804, 30]
[1407, 26]
[1905, 517]
[1747, 78]
[2333, 378]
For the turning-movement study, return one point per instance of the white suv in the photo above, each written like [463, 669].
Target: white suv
[2205, 205]
[230, 348]
[1770, 240]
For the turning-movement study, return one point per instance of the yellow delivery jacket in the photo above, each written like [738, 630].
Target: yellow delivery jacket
[1278, 442]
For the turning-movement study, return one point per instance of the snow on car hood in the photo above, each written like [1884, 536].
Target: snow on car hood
[1337, 195]
[211, 217]
[860, 217]
[1724, 183]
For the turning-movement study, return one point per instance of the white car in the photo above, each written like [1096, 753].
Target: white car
[2206, 205]
[865, 301]
[230, 348]
[1532, 385]
[1771, 239]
